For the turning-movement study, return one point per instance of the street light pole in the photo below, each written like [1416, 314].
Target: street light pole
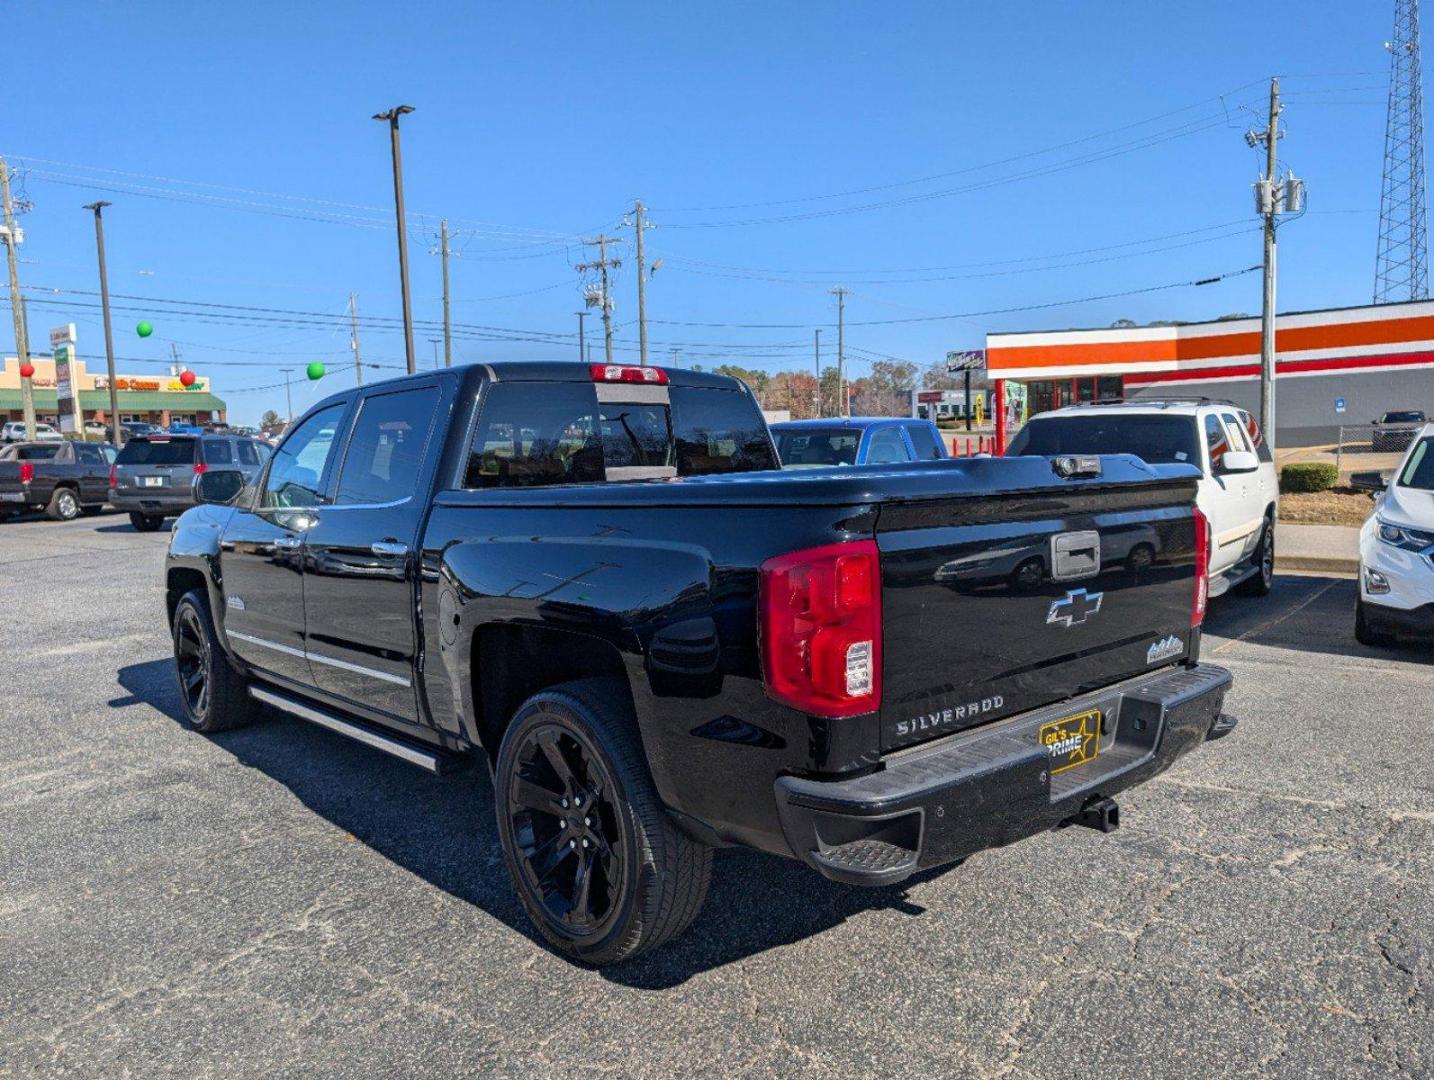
[392, 116]
[109, 333]
[288, 398]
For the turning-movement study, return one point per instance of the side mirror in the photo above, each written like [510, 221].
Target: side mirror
[220, 487]
[1372, 482]
[1236, 461]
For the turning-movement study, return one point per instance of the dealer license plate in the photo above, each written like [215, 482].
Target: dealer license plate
[152, 481]
[1071, 740]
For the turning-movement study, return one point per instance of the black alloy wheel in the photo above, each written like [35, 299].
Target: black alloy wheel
[598, 863]
[1263, 579]
[192, 661]
[567, 829]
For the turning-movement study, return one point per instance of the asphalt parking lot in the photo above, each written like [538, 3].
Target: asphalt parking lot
[279, 901]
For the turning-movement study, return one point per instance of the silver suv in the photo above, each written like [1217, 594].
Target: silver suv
[153, 477]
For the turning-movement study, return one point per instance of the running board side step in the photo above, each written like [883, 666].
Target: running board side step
[435, 761]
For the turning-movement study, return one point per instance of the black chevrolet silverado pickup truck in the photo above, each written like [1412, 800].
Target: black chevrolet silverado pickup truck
[598, 582]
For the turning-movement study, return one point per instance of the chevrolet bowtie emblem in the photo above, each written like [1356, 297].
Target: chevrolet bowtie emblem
[1074, 608]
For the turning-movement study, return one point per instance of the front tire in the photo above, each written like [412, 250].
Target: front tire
[1263, 580]
[213, 696]
[145, 522]
[599, 866]
[64, 505]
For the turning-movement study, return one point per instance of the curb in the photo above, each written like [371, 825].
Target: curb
[1324, 564]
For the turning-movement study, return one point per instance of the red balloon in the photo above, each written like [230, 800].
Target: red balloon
[186, 378]
[27, 370]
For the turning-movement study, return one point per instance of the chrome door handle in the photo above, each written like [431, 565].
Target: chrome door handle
[288, 543]
[384, 547]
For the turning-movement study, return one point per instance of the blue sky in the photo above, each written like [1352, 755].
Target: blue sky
[997, 155]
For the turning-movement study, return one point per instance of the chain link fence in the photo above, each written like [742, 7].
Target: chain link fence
[1359, 441]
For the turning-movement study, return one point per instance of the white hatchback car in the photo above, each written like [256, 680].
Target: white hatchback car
[1396, 549]
[1238, 490]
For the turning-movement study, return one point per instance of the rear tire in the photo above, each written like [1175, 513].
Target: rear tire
[1366, 634]
[599, 866]
[1263, 580]
[64, 504]
[212, 694]
[145, 522]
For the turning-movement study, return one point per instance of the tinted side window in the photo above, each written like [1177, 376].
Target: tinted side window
[88, 454]
[886, 447]
[924, 439]
[719, 431]
[216, 452]
[298, 467]
[247, 454]
[386, 449]
[534, 434]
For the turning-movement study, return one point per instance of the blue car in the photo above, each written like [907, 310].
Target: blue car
[857, 440]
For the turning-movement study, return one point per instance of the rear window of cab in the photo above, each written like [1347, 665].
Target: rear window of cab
[538, 434]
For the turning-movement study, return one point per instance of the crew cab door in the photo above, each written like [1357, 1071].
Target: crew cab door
[360, 565]
[262, 551]
[94, 472]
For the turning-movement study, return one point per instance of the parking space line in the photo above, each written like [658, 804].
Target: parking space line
[1272, 623]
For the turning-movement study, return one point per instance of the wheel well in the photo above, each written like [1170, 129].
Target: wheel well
[512, 663]
[179, 582]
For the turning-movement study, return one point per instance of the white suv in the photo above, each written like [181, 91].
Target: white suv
[1238, 488]
[1396, 549]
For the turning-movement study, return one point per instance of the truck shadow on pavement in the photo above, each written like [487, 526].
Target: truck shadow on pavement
[1311, 613]
[441, 829]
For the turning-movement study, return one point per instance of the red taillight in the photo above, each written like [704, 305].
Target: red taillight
[27, 471]
[199, 468]
[626, 373]
[1202, 568]
[114, 477]
[820, 624]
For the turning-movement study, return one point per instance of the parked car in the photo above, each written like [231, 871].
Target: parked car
[140, 427]
[1396, 549]
[153, 477]
[596, 582]
[1239, 488]
[63, 478]
[1396, 430]
[14, 432]
[857, 440]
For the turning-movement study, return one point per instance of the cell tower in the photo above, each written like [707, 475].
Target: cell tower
[1401, 270]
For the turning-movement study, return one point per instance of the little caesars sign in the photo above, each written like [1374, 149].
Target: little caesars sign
[62, 343]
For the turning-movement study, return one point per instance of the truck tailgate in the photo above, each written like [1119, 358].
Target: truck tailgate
[996, 604]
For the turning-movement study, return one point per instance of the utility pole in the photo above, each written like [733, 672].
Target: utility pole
[602, 264]
[817, 350]
[115, 425]
[353, 339]
[17, 303]
[843, 405]
[288, 397]
[581, 337]
[392, 116]
[641, 289]
[447, 325]
[434, 341]
[1274, 195]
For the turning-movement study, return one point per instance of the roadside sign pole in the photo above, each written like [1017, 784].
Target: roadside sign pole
[115, 426]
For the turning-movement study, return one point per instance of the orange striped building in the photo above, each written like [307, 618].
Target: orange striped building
[1341, 366]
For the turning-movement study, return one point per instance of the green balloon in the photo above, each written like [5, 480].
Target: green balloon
[316, 370]
[144, 329]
